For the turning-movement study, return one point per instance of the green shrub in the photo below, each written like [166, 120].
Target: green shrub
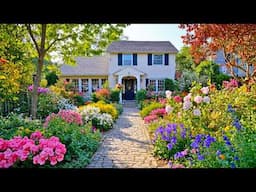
[94, 97]
[114, 95]
[140, 96]
[146, 110]
[218, 79]
[51, 78]
[81, 142]
[171, 85]
[78, 100]
[47, 104]
[14, 125]
[119, 108]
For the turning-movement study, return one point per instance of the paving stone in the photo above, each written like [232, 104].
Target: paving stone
[127, 145]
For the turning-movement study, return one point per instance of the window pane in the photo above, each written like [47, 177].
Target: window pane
[160, 85]
[85, 87]
[127, 59]
[95, 85]
[158, 59]
[75, 85]
[152, 85]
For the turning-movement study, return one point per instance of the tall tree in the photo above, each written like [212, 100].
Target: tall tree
[68, 41]
[184, 59]
[238, 42]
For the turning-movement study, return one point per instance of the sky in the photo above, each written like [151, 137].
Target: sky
[155, 32]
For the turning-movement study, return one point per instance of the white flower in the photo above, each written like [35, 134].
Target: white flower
[206, 99]
[168, 94]
[197, 112]
[168, 109]
[205, 90]
[187, 105]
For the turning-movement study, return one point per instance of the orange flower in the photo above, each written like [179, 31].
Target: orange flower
[3, 60]
[222, 156]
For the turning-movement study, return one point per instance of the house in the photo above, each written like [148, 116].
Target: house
[134, 64]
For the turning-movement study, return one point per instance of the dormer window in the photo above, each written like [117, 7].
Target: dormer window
[158, 59]
[127, 59]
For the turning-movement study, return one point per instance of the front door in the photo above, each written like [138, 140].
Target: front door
[129, 89]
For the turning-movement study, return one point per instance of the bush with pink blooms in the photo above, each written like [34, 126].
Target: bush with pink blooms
[68, 116]
[155, 114]
[20, 151]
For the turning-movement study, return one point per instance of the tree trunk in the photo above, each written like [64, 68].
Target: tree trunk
[39, 67]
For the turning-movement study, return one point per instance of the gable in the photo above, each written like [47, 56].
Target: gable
[129, 71]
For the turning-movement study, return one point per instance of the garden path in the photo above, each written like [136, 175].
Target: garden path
[127, 145]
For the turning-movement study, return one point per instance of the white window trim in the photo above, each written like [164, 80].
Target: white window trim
[131, 59]
[153, 55]
[156, 84]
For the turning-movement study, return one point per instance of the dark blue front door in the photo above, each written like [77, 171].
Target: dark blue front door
[129, 89]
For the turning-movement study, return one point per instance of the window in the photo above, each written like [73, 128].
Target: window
[103, 81]
[160, 85]
[127, 59]
[75, 85]
[85, 87]
[152, 85]
[156, 85]
[158, 59]
[95, 85]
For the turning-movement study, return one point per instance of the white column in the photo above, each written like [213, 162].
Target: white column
[138, 82]
[100, 84]
[90, 85]
[120, 94]
[156, 85]
[79, 85]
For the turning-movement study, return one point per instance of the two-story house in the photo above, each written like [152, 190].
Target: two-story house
[134, 64]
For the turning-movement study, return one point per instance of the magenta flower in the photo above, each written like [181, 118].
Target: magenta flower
[177, 99]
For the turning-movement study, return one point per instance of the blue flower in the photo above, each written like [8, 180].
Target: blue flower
[237, 124]
[236, 158]
[230, 109]
[232, 165]
[169, 146]
[218, 152]
[200, 157]
[174, 140]
[227, 140]
[208, 141]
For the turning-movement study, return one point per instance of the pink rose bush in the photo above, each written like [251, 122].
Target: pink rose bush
[155, 114]
[40, 149]
[230, 84]
[68, 116]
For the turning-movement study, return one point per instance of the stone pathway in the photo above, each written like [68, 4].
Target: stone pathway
[127, 145]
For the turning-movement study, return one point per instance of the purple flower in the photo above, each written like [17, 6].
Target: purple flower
[169, 146]
[174, 140]
[230, 109]
[218, 152]
[237, 124]
[178, 155]
[208, 141]
[200, 157]
[227, 140]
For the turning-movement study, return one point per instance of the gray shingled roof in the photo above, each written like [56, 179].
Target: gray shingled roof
[97, 65]
[141, 47]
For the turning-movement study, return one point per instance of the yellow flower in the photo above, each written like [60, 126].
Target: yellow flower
[215, 115]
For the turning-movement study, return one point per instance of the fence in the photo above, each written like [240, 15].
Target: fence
[22, 105]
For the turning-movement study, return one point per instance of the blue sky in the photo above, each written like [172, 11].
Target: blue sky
[155, 32]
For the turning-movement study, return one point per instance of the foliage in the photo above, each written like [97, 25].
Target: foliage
[171, 85]
[207, 68]
[219, 78]
[114, 95]
[184, 60]
[51, 78]
[47, 103]
[236, 40]
[78, 100]
[9, 80]
[147, 110]
[119, 108]
[140, 96]
[81, 142]
[14, 125]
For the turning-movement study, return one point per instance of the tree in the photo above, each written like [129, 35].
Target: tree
[238, 42]
[207, 68]
[184, 59]
[67, 41]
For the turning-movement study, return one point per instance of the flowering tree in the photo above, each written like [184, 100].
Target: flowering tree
[238, 42]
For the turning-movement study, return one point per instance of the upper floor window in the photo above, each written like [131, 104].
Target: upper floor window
[158, 59]
[127, 59]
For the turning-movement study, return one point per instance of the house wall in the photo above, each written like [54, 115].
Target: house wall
[151, 71]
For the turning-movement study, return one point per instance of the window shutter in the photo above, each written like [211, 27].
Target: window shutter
[149, 59]
[166, 59]
[134, 59]
[119, 59]
[146, 82]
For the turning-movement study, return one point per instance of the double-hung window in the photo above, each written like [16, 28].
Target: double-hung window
[158, 59]
[127, 59]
